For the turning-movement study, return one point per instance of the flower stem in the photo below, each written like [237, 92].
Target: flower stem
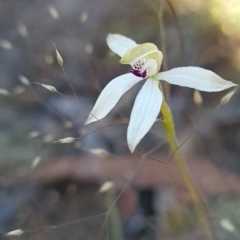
[199, 205]
[160, 13]
[115, 223]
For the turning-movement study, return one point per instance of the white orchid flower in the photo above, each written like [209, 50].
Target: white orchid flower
[145, 60]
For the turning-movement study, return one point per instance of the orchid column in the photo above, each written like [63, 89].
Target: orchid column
[145, 61]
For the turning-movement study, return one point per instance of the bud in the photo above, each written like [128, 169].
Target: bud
[99, 152]
[33, 134]
[66, 140]
[18, 90]
[53, 11]
[22, 30]
[17, 232]
[83, 17]
[197, 98]
[48, 87]
[227, 97]
[106, 187]
[59, 58]
[5, 44]
[48, 138]
[227, 225]
[88, 48]
[4, 92]
[36, 161]
[24, 80]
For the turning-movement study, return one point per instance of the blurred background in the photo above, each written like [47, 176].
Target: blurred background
[91, 187]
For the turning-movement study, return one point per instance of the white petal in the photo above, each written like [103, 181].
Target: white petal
[111, 94]
[145, 111]
[119, 44]
[195, 77]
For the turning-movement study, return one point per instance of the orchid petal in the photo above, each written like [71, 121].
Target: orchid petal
[119, 44]
[111, 94]
[145, 111]
[195, 77]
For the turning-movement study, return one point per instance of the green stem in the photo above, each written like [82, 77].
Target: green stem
[113, 214]
[165, 85]
[197, 199]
